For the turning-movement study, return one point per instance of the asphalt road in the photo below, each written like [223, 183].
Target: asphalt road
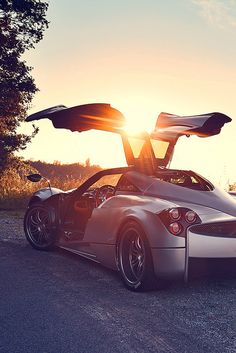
[58, 302]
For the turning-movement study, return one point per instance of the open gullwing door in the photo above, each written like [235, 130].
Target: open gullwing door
[98, 116]
[170, 127]
[146, 152]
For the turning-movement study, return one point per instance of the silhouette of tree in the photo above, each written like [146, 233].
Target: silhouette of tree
[22, 23]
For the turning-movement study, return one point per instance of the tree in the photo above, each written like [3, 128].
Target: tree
[22, 23]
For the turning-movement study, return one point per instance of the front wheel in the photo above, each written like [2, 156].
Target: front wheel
[135, 258]
[38, 227]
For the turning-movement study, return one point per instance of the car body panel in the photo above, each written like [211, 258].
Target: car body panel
[203, 201]
[216, 199]
[106, 222]
[45, 193]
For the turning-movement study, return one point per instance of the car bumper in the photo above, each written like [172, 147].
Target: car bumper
[200, 245]
[206, 253]
[169, 263]
[201, 252]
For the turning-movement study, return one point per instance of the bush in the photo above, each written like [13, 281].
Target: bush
[16, 189]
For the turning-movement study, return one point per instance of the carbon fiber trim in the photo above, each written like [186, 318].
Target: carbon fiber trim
[221, 229]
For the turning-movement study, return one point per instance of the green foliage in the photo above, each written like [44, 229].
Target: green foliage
[22, 23]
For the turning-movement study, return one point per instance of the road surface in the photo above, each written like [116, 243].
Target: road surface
[57, 302]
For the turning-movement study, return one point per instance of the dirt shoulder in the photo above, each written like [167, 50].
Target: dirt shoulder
[11, 226]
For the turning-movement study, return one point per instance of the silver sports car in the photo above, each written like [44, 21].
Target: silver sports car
[155, 221]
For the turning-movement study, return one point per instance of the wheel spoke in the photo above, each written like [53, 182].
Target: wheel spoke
[38, 216]
[134, 261]
[140, 267]
[133, 249]
[44, 218]
[33, 220]
[138, 243]
[136, 257]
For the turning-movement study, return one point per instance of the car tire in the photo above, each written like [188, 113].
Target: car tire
[135, 258]
[39, 227]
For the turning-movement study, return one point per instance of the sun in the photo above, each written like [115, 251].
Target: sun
[136, 125]
[132, 129]
[139, 118]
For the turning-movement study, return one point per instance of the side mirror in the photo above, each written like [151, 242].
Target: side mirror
[34, 177]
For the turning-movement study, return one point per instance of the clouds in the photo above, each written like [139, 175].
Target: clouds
[221, 13]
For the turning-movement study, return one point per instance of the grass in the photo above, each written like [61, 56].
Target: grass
[16, 189]
[15, 192]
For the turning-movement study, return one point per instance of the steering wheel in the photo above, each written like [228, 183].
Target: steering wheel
[103, 193]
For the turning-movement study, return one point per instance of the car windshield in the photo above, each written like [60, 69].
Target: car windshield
[159, 148]
[139, 145]
[136, 145]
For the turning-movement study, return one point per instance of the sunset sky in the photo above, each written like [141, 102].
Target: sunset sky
[142, 57]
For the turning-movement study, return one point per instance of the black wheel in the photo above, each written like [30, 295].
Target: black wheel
[135, 258]
[38, 227]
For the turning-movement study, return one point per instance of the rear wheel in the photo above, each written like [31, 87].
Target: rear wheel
[38, 227]
[135, 258]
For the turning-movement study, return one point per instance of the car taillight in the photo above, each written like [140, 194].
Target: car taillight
[190, 216]
[174, 214]
[178, 219]
[175, 228]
